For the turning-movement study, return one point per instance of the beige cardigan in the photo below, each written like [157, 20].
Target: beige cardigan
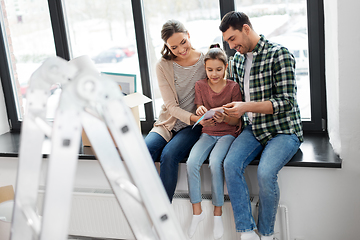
[170, 110]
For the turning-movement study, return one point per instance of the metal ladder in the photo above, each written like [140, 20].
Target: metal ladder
[93, 103]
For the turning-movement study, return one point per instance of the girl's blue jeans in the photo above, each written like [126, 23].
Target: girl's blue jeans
[171, 153]
[216, 148]
[277, 152]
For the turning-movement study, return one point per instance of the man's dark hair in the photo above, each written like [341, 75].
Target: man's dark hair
[236, 20]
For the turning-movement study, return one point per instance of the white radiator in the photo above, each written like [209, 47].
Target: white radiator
[96, 213]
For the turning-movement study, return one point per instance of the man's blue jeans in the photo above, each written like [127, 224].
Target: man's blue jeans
[277, 152]
[172, 153]
[217, 147]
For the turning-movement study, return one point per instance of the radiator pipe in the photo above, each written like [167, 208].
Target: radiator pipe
[286, 216]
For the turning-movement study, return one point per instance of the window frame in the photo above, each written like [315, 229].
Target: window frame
[316, 41]
[6, 76]
[315, 11]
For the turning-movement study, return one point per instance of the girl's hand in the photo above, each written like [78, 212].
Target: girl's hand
[201, 110]
[219, 117]
[208, 122]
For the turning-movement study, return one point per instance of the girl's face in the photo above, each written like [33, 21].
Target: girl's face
[179, 44]
[215, 70]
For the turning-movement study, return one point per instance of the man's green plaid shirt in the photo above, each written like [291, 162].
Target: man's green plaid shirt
[272, 78]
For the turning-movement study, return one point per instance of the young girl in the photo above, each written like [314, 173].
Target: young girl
[217, 135]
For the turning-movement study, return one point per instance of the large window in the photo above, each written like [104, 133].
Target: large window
[123, 36]
[285, 22]
[104, 31]
[28, 39]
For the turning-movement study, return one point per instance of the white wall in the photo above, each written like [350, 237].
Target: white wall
[324, 204]
[332, 72]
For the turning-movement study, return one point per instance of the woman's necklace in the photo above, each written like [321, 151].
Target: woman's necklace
[191, 60]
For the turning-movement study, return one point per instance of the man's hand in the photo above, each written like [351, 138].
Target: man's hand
[235, 109]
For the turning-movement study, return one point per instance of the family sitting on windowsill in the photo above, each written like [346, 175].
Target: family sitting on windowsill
[256, 113]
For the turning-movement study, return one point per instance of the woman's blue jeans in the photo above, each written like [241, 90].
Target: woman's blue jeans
[172, 153]
[277, 152]
[217, 147]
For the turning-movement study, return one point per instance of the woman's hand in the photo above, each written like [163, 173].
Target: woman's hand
[208, 122]
[201, 110]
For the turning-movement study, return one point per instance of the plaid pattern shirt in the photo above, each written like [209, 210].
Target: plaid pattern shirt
[272, 78]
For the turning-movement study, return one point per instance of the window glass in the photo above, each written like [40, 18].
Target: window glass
[285, 22]
[29, 41]
[104, 30]
[201, 19]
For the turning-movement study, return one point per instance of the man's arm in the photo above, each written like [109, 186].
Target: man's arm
[237, 109]
[284, 96]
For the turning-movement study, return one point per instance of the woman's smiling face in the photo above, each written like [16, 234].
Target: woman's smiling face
[179, 44]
